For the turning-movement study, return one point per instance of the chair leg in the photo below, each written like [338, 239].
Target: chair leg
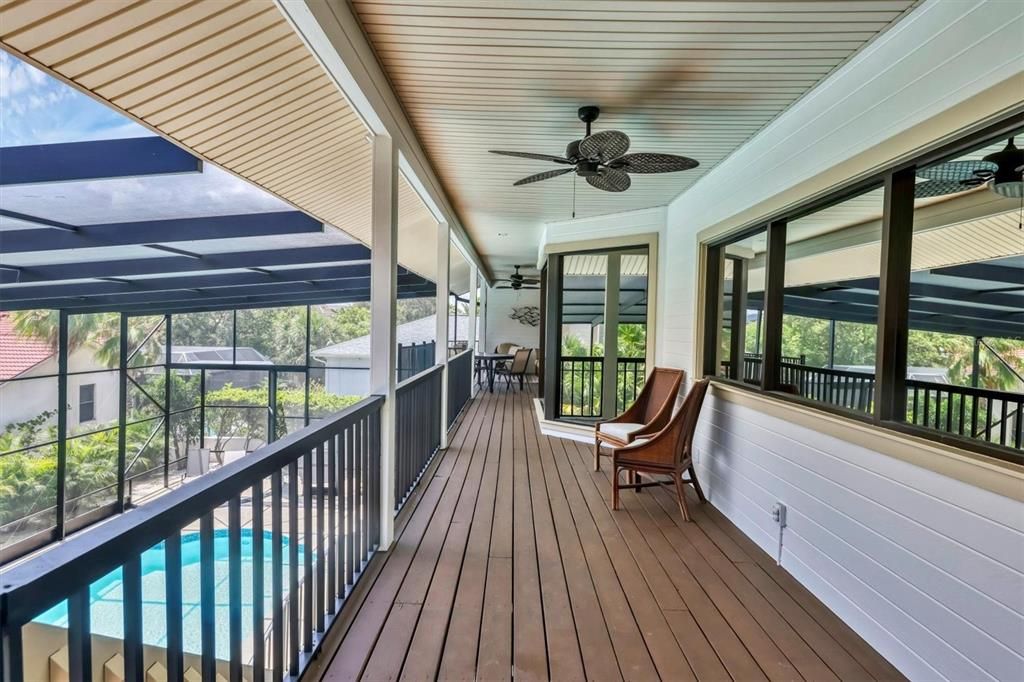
[681, 495]
[615, 487]
[597, 454]
[696, 485]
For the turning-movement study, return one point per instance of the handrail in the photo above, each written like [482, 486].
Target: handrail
[406, 384]
[33, 587]
[973, 391]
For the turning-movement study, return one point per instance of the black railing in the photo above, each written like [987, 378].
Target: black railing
[982, 414]
[321, 486]
[418, 425]
[632, 374]
[752, 366]
[580, 387]
[414, 358]
[840, 387]
[993, 416]
[460, 384]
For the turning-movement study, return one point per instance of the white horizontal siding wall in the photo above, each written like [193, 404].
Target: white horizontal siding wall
[929, 570]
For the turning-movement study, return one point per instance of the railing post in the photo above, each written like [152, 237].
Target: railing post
[441, 345]
[383, 292]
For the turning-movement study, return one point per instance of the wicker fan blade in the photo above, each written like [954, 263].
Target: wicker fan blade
[938, 188]
[653, 163]
[546, 175]
[530, 155]
[955, 170]
[610, 180]
[604, 146]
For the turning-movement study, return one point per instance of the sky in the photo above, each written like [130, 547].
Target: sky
[38, 109]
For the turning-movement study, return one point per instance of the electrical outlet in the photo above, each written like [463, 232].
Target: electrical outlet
[779, 513]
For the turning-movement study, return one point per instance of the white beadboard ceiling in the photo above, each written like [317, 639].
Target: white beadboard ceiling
[687, 77]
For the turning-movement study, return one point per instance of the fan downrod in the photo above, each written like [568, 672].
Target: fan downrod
[588, 115]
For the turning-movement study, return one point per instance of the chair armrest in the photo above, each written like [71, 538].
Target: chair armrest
[658, 449]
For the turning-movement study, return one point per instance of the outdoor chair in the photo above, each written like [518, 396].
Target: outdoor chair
[669, 452]
[648, 413]
[518, 369]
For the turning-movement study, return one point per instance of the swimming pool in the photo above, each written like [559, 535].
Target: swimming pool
[107, 614]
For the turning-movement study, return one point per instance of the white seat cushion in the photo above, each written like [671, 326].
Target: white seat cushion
[620, 431]
[638, 442]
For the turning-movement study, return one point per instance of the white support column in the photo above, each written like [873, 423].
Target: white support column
[441, 345]
[610, 367]
[471, 333]
[484, 347]
[383, 317]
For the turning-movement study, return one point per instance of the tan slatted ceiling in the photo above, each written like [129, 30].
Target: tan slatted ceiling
[229, 80]
[693, 78]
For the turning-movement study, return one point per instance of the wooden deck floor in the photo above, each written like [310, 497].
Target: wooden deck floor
[513, 563]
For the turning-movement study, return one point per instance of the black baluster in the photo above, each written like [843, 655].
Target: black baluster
[207, 597]
[132, 604]
[79, 636]
[235, 589]
[172, 597]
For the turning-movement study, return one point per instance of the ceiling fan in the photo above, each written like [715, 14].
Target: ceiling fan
[1000, 170]
[601, 158]
[518, 282]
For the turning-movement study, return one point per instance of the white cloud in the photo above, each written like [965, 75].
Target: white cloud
[36, 108]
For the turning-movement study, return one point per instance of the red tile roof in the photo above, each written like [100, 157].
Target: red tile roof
[19, 353]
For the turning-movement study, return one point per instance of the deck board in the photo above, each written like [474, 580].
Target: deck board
[512, 563]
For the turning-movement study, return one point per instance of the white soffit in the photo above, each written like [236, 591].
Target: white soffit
[230, 81]
[693, 78]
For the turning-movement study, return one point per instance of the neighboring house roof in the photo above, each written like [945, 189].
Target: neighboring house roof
[414, 331]
[218, 355]
[18, 353]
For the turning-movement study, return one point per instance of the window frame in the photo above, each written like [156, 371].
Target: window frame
[82, 402]
[894, 278]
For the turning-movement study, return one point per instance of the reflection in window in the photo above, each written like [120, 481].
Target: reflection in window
[830, 309]
[965, 347]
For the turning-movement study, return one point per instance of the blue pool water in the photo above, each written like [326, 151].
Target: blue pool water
[107, 615]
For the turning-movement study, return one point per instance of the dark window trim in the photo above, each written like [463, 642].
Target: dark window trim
[975, 136]
[82, 402]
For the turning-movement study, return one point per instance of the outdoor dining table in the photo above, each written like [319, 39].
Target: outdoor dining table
[489, 360]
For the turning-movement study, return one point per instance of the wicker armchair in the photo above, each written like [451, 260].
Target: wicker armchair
[648, 413]
[667, 452]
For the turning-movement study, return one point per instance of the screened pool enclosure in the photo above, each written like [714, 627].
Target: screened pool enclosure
[148, 340]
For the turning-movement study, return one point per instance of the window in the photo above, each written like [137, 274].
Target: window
[602, 342]
[927, 257]
[742, 294]
[965, 344]
[86, 403]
